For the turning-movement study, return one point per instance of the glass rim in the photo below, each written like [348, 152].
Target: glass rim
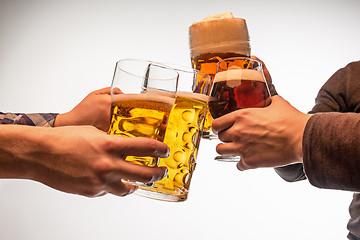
[159, 64]
[181, 68]
[240, 58]
[206, 78]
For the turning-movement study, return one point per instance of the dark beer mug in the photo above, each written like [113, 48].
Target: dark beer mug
[239, 83]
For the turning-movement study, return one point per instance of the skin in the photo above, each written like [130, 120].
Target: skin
[93, 110]
[78, 159]
[263, 137]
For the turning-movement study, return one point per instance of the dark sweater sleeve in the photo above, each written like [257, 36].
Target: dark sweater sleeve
[341, 93]
[331, 150]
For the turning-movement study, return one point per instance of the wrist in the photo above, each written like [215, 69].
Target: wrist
[63, 119]
[301, 128]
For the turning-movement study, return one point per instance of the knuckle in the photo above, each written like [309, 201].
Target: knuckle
[103, 166]
[106, 142]
[237, 132]
[239, 115]
[234, 134]
[242, 115]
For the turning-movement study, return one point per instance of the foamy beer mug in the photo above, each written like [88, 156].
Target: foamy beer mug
[143, 109]
[183, 136]
[212, 39]
[239, 83]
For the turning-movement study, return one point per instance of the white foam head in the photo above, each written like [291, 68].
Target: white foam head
[219, 33]
[239, 74]
[195, 96]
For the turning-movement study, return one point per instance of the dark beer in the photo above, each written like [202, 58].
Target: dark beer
[237, 89]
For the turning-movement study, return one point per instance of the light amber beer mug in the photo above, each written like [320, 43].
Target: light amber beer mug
[239, 83]
[183, 136]
[212, 39]
[143, 107]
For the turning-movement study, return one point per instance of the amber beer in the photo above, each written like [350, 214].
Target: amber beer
[140, 115]
[183, 135]
[236, 89]
[207, 63]
[216, 38]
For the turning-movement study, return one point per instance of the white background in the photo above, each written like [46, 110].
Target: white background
[53, 53]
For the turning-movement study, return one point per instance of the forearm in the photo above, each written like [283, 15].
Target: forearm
[20, 148]
[331, 149]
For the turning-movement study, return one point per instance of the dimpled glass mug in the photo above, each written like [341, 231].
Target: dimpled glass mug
[183, 135]
[143, 108]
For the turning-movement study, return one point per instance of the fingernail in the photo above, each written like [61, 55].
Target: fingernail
[167, 152]
[132, 190]
[159, 177]
[239, 167]
[166, 172]
[162, 154]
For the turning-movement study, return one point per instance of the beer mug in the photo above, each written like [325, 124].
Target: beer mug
[183, 136]
[143, 108]
[239, 83]
[214, 39]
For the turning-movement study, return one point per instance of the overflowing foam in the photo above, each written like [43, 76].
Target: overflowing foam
[219, 33]
[239, 74]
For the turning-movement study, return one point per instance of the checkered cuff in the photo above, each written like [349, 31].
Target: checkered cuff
[33, 119]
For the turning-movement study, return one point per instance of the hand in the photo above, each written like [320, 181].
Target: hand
[263, 137]
[93, 110]
[267, 77]
[81, 160]
[265, 70]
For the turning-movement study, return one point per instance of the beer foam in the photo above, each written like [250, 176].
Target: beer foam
[239, 74]
[196, 96]
[152, 97]
[217, 16]
[219, 33]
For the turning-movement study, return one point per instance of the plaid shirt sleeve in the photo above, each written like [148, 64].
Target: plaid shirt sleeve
[33, 119]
